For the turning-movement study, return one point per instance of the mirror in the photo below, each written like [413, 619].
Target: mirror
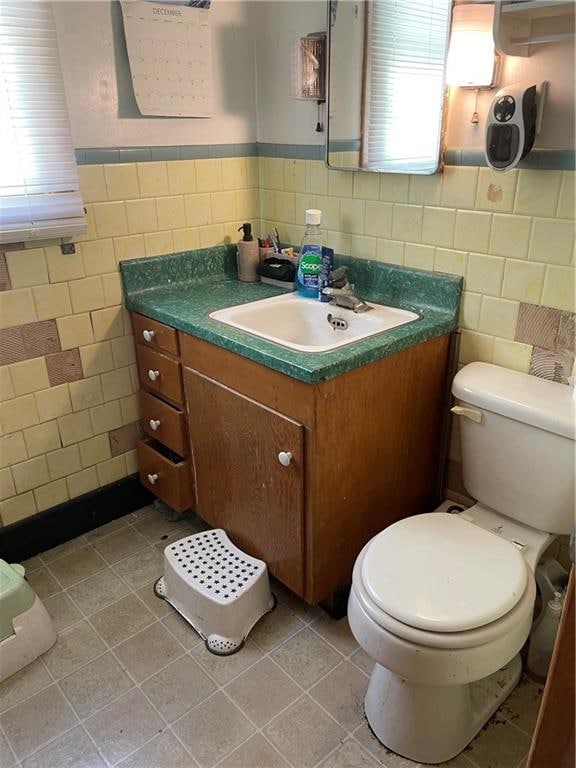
[386, 69]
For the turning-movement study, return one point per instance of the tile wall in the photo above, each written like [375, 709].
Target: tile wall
[511, 236]
[68, 380]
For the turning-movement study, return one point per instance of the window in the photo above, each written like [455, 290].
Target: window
[39, 189]
[405, 55]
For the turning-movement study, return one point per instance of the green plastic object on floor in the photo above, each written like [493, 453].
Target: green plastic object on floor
[26, 629]
[16, 596]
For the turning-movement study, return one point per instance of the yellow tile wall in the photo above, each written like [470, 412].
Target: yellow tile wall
[510, 236]
[54, 443]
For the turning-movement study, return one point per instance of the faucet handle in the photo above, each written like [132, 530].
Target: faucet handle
[339, 277]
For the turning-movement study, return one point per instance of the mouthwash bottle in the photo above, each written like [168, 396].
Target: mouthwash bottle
[310, 264]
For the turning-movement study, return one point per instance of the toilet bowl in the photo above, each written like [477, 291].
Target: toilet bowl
[443, 602]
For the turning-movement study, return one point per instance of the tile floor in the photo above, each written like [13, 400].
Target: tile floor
[129, 684]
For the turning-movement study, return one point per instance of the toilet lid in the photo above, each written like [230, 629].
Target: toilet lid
[443, 574]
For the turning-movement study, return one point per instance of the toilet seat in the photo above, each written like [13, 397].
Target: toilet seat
[439, 573]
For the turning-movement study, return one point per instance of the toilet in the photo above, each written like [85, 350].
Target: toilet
[443, 602]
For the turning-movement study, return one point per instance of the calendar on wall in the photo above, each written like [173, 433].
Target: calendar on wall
[170, 58]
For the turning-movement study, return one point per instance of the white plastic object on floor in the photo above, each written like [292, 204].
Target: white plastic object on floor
[544, 637]
[27, 629]
[221, 591]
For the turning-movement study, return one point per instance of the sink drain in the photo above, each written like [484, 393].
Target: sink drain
[338, 323]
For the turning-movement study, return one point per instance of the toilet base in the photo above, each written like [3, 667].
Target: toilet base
[431, 724]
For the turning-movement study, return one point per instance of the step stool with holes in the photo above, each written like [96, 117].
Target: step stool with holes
[221, 591]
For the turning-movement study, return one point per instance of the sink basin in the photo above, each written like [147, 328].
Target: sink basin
[308, 325]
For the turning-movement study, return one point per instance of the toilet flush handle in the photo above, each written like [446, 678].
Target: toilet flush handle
[469, 413]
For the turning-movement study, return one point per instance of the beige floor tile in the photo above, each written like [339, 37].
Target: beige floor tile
[299, 608]
[225, 668]
[62, 610]
[122, 619]
[32, 563]
[7, 758]
[105, 530]
[181, 630]
[156, 528]
[43, 583]
[120, 544]
[73, 648]
[306, 657]
[148, 651]
[95, 685]
[263, 691]
[498, 745]
[178, 687]
[23, 684]
[98, 591]
[350, 755]
[276, 627]
[63, 549]
[341, 692]
[255, 753]
[156, 605]
[304, 734]
[123, 726]
[363, 661]
[213, 729]
[72, 750]
[522, 706]
[30, 724]
[141, 568]
[77, 566]
[337, 633]
[141, 513]
[165, 751]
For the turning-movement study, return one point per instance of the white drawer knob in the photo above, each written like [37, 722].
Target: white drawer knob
[285, 457]
[152, 479]
[148, 335]
[153, 375]
[154, 424]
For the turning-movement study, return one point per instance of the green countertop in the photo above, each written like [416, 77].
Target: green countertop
[182, 289]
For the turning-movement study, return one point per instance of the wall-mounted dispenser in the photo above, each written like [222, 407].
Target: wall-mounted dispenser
[512, 123]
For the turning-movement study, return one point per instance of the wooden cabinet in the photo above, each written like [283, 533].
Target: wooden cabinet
[303, 475]
[242, 485]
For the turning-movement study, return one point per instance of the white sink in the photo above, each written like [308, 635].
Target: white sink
[308, 325]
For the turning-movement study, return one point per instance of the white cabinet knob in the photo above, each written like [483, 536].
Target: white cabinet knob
[153, 375]
[285, 457]
[148, 335]
[152, 478]
[154, 424]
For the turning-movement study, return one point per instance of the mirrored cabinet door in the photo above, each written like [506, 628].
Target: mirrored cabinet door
[387, 64]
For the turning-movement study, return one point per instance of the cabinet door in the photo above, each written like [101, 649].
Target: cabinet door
[241, 484]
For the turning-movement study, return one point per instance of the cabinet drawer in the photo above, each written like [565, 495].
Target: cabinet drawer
[167, 478]
[154, 334]
[159, 373]
[163, 423]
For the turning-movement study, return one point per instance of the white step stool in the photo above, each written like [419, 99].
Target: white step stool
[221, 591]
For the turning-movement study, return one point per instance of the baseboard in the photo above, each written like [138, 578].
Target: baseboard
[45, 530]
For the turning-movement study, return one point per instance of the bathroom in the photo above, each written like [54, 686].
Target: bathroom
[352, 467]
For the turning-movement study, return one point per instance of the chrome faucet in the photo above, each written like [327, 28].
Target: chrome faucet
[342, 292]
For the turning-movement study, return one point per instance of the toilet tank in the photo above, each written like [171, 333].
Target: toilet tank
[518, 445]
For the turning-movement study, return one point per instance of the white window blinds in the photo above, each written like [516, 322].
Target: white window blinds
[405, 55]
[39, 190]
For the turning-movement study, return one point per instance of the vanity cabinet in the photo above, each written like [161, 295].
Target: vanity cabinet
[302, 475]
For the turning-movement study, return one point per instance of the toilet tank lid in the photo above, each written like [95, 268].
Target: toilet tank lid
[543, 404]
